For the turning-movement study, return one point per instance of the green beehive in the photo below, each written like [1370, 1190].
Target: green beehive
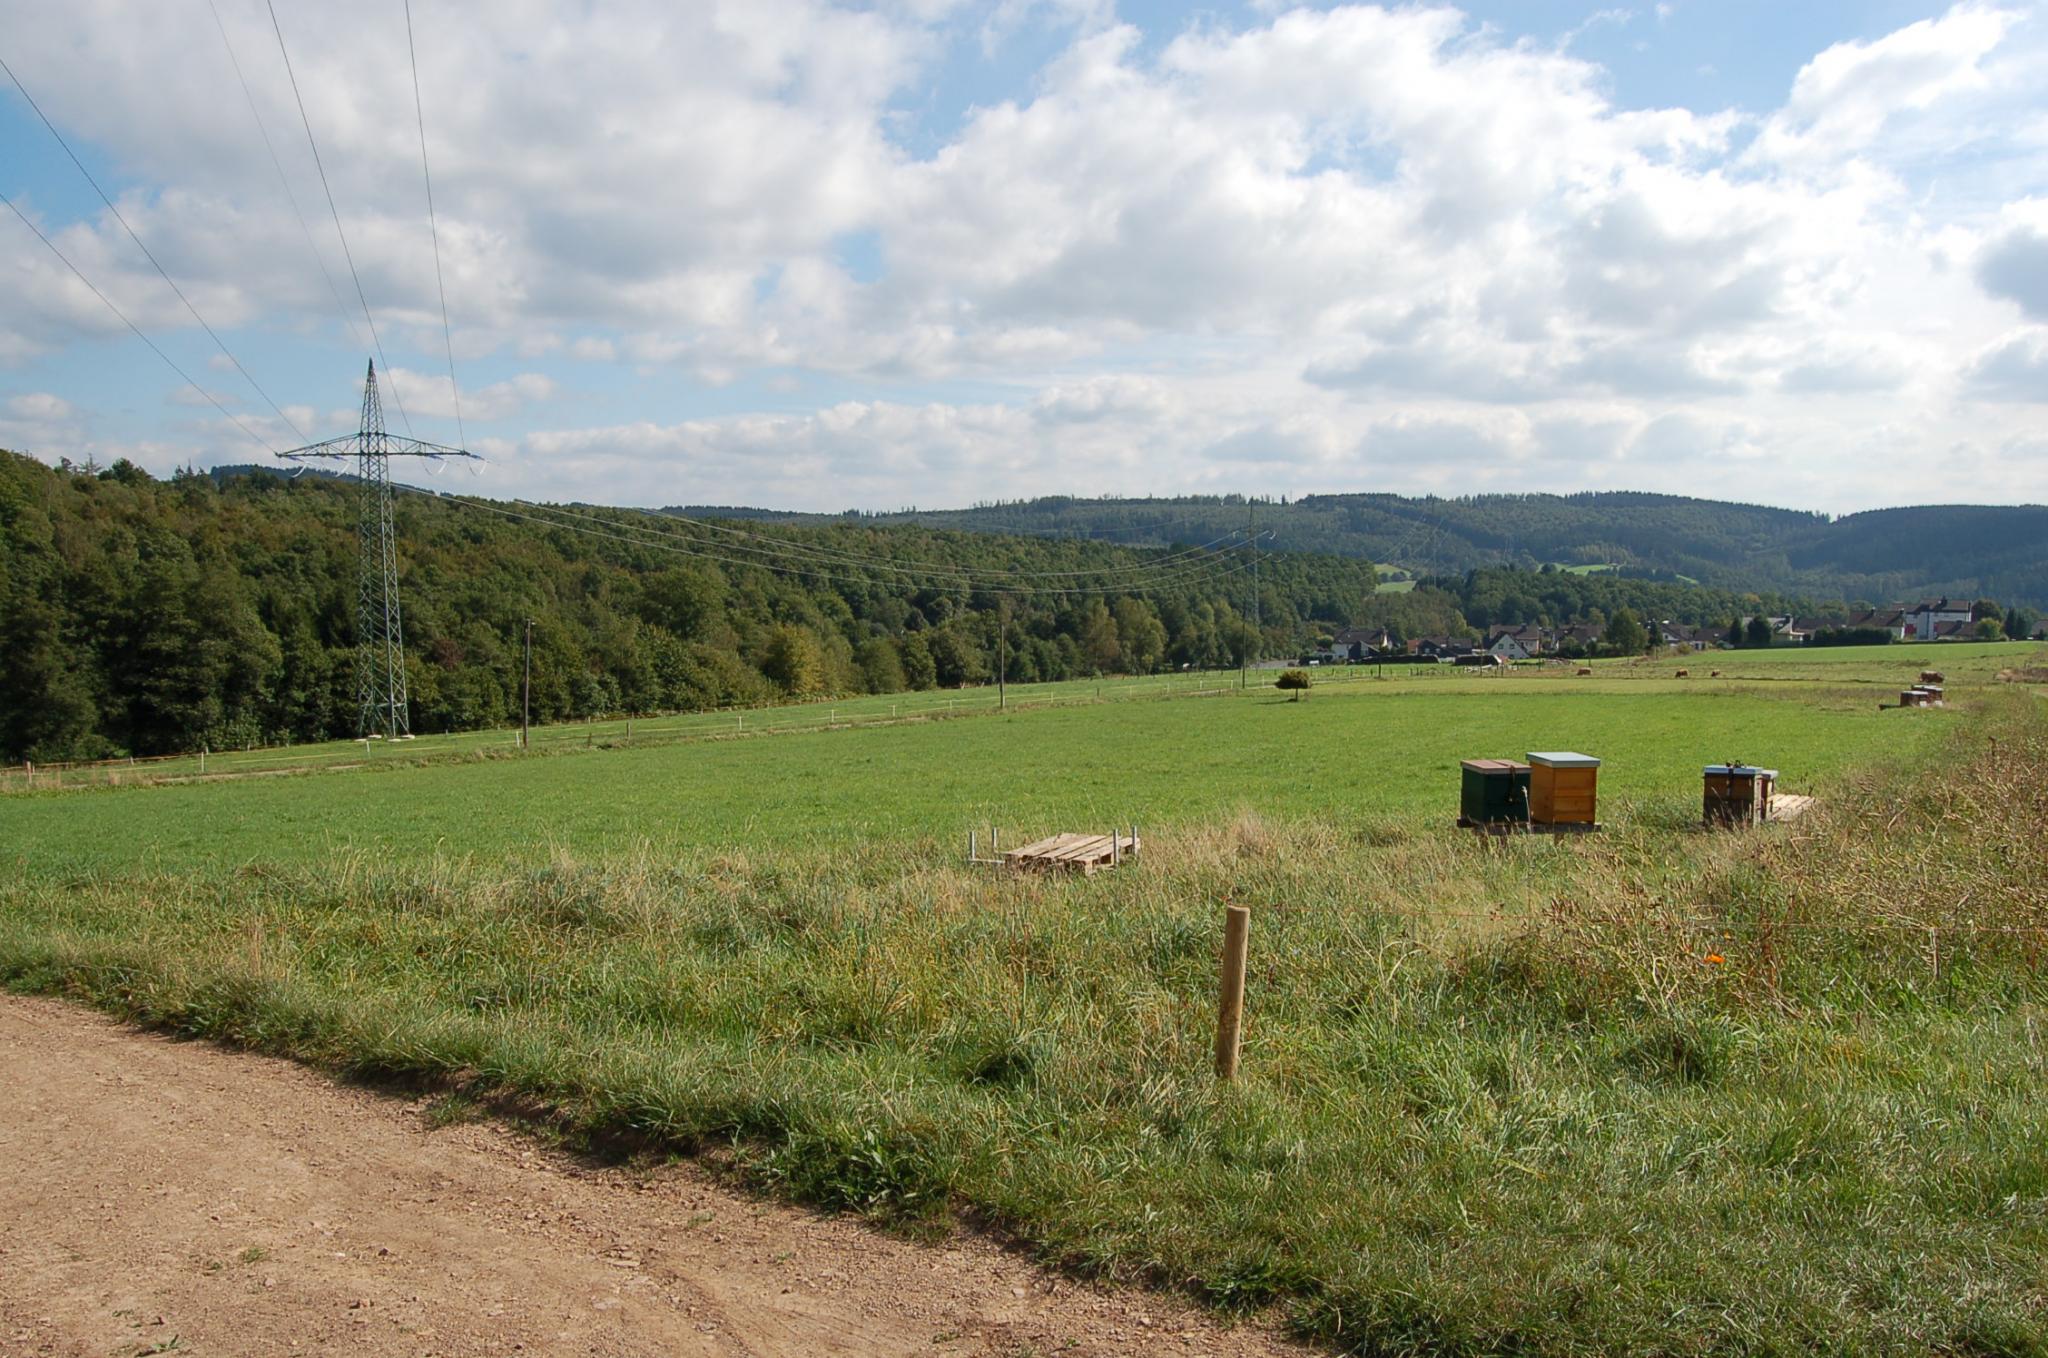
[1496, 792]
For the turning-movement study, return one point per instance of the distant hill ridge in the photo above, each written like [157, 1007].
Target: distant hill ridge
[1995, 551]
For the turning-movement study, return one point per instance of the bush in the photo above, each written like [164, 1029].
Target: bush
[1297, 680]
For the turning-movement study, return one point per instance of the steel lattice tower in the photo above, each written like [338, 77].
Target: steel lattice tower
[380, 630]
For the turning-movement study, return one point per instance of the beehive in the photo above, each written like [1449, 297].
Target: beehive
[1563, 787]
[1495, 792]
[1738, 794]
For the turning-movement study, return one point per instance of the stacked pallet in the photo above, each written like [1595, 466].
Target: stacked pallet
[1085, 853]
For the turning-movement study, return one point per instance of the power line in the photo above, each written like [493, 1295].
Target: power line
[109, 302]
[865, 560]
[305, 228]
[328, 189]
[1165, 566]
[419, 114]
[146, 253]
[862, 558]
[668, 542]
[939, 518]
[793, 553]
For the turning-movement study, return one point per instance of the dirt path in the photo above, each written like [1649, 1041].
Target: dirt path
[174, 1197]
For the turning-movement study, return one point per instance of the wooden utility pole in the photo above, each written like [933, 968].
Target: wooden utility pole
[1002, 655]
[526, 689]
[1237, 923]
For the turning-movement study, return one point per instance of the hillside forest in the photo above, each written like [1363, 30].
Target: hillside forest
[1881, 556]
[144, 616]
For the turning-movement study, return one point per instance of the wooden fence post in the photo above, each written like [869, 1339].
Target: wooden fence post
[1237, 921]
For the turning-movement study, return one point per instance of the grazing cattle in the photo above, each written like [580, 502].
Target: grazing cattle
[1685, 674]
[1713, 674]
[1932, 677]
[1584, 670]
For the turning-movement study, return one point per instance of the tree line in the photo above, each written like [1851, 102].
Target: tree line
[145, 616]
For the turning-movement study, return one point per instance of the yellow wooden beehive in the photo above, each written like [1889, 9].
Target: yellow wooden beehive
[1564, 788]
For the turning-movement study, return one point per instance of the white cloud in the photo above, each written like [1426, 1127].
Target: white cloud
[2014, 265]
[434, 396]
[1845, 96]
[2013, 369]
[39, 405]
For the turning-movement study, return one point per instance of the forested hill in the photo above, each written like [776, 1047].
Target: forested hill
[143, 616]
[1883, 555]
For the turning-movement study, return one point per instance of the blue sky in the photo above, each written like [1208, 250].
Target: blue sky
[814, 256]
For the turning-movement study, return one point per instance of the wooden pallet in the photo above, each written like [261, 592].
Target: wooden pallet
[1083, 852]
[1789, 806]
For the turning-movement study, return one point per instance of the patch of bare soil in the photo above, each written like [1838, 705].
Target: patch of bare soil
[176, 1197]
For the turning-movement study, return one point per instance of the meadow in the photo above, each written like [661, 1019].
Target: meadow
[1352, 752]
[1654, 1090]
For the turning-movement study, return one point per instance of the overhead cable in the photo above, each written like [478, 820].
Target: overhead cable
[305, 227]
[851, 557]
[109, 302]
[671, 544]
[448, 335]
[867, 561]
[146, 252]
[794, 557]
[328, 189]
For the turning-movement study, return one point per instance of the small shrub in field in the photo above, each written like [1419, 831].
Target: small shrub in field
[1293, 680]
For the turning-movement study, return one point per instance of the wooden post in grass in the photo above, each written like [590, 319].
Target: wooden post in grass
[1237, 923]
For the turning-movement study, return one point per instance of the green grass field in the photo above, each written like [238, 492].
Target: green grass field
[1352, 754]
[1655, 1090]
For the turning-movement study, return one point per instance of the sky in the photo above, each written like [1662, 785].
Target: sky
[923, 253]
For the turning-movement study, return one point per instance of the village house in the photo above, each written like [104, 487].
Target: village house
[1942, 619]
[1892, 619]
[1581, 638]
[1362, 643]
[1686, 637]
[1440, 648]
[1937, 620]
[1523, 642]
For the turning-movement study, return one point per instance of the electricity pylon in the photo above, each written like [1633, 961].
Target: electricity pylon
[380, 632]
